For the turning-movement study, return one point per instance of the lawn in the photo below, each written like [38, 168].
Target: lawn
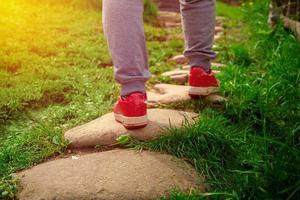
[56, 72]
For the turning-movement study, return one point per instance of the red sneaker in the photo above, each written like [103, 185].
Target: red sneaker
[131, 111]
[202, 83]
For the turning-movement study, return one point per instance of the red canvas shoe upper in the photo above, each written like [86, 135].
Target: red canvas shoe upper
[198, 77]
[133, 105]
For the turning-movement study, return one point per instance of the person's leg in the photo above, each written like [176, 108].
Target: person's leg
[198, 17]
[124, 30]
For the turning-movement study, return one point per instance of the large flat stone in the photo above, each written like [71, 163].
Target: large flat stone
[219, 29]
[186, 67]
[179, 76]
[168, 93]
[172, 24]
[110, 175]
[176, 72]
[164, 16]
[180, 59]
[105, 130]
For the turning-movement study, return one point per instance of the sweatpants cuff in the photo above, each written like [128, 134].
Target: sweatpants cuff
[198, 62]
[130, 87]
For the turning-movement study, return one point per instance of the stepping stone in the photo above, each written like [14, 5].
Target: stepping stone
[167, 93]
[169, 19]
[180, 59]
[179, 76]
[165, 16]
[172, 24]
[219, 29]
[218, 37]
[110, 175]
[105, 130]
[186, 67]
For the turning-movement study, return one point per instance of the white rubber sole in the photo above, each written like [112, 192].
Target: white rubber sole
[202, 91]
[132, 121]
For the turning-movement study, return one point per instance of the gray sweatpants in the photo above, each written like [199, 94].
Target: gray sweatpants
[124, 30]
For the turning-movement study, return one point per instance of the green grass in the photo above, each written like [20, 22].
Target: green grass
[214, 145]
[150, 11]
[225, 10]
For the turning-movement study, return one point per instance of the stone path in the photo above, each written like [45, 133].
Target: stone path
[179, 76]
[122, 173]
[105, 130]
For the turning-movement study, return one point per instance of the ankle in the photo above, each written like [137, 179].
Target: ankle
[133, 87]
[135, 92]
[207, 70]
